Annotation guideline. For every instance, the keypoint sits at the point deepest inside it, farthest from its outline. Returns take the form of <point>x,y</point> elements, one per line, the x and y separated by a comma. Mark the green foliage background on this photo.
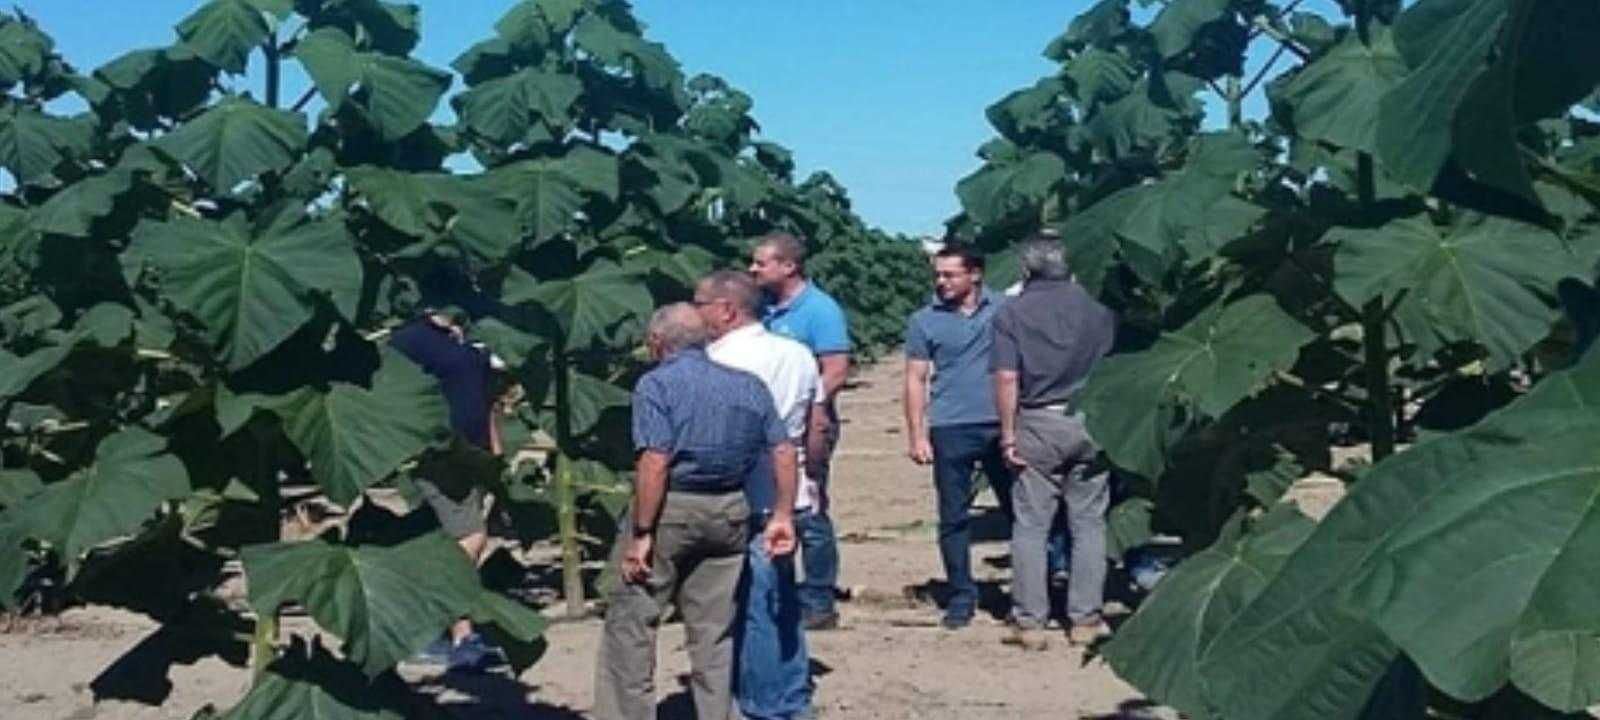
<point>198,280</point>
<point>1399,256</point>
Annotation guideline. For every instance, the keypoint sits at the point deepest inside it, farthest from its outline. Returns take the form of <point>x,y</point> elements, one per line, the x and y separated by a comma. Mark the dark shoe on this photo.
<point>472,654</point>
<point>956,620</point>
<point>820,621</point>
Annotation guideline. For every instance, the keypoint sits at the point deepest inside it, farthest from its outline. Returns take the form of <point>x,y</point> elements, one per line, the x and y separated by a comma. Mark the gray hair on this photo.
<point>786,246</point>
<point>737,288</point>
<point>1044,257</point>
<point>677,327</point>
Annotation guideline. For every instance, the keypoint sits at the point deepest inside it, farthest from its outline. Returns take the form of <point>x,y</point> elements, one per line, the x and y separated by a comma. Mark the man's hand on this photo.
<point>779,536</point>
<point>636,561</point>
<point>1008,451</point>
<point>921,451</point>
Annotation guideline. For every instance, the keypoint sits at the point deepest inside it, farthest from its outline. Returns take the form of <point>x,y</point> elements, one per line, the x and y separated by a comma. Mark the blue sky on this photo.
<point>888,95</point>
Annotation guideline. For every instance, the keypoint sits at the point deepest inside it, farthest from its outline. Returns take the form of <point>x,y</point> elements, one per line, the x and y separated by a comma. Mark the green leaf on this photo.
<point>510,626</point>
<point>624,50</point>
<point>426,205</point>
<point>1159,109</point>
<point>33,144</point>
<point>311,684</point>
<point>385,603</point>
<point>589,307</point>
<point>1335,98</point>
<point>252,288</point>
<point>1031,113</point>
<point>24,51</point>
<point>397,95</point>
<point>551,193</point>
<point>1098,26</point>
<point>998,192</point>
<point>355,436</point>
<point>18,373</point>
<point>1159,649</point>
<point>237,140</point>
<point>224,32</point>
<point>1100,76</point>
<point>74,209</point>
<point>1482,70</point>
<point>505,109</point>
<point>17,485</point>
<point>1486,280</point>
<point>588,397</point>
<point>131,477</point>
<point>1176,26</point>
<point>1221,357</point>
<point>1478,548</point>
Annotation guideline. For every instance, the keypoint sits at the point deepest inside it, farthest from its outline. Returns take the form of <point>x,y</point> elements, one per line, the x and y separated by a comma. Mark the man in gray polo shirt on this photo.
<point>953,426</point>
<point>1046,341</point>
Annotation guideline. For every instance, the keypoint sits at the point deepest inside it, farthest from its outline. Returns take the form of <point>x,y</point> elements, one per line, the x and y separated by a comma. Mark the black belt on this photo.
<point>674,487</point>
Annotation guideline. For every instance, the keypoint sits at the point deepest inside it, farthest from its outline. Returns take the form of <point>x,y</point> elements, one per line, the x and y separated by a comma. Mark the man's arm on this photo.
<point>1004,363</point>
<point>835,368</point>
<point>916,406</point>
<point>649,492</point>
<point>1005,405</point>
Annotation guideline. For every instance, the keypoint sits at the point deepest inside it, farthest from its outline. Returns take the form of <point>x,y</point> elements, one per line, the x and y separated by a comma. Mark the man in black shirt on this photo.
<point>435,343</point>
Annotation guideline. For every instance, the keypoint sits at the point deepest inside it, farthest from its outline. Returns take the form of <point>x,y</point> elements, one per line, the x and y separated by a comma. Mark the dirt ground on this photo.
<point>889,659</point>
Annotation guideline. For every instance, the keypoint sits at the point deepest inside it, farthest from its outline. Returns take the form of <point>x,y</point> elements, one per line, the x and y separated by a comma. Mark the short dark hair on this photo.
<point>735,287</point>
<point>787,246</point>
<point>971,259</point>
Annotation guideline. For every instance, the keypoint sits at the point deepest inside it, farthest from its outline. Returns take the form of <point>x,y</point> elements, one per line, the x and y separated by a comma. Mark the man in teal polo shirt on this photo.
<point>798,309</point>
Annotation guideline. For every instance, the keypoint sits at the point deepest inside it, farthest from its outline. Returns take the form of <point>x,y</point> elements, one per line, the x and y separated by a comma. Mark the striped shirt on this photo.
<point>714,421</point>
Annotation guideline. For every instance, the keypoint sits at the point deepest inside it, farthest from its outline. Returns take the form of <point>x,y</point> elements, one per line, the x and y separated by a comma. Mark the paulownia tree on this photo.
<point>1382,259</point>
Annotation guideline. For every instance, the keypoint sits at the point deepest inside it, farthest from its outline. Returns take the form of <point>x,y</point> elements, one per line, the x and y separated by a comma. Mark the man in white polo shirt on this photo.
<point>773,677</point>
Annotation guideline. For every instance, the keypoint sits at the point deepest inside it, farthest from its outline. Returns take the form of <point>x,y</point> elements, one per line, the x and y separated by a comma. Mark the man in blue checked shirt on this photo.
<point>699,429</point>
<point>798,309</point>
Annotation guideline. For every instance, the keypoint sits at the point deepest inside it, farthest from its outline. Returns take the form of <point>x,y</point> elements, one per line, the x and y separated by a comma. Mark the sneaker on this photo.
<point>472,654</point>
<point>1087,633</point>
<point>820,621</point>
<point>1032,639</point>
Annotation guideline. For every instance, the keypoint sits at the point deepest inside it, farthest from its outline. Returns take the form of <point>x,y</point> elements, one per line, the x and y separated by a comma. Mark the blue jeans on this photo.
<point>773,676</point>
<point>957,450</point>
<point>819,555</point>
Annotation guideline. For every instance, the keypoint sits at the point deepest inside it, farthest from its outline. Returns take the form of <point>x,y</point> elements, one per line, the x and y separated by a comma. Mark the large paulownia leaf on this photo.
<point>998,192</point>
<point>1481,69</point>
<point>396,94</point>
<point>589,307</point>
<point>426,205</point>
<point>33,144</point>
<point>511,626</point>
<point>224,32</point>
<point>1486,280</point>
<point>1159,649</point>
<point>1335,99</point>
<point>1100,76</point>
<point>1098,26</point>
<point>1176,26</point>
<point>1158,110</point>
<point>24,51</point>
<point>309,683</point>
<point>385,603</point>
<point>550,193</point>
<point>130,478</point>
<point>625,50</point>
<point>1224,355</point>
<point>1481,548</point>
<point>252,288</point>
<point>355,436</point>
<point>589,397</point>
<point>1032,112</point>
<point>506,109</point>
<point>106,324</point>
<point>74,210</point>
<point>236,140</point>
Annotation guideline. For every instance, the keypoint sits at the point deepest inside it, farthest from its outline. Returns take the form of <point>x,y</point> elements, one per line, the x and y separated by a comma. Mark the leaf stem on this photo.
<point>566,492</point>
<point>264,647</point>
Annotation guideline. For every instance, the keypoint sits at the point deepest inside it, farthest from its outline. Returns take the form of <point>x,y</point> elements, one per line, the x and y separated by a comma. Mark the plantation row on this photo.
<point>198,276</point>
<point>1398,256</point>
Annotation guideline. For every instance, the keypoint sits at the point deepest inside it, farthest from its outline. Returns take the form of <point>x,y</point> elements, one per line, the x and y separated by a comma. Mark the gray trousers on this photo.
<point>697,560</point>
<point>1061,468</point>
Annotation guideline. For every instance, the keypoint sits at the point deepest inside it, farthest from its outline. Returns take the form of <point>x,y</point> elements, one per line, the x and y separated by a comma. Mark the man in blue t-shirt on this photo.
<point>798,309</point>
